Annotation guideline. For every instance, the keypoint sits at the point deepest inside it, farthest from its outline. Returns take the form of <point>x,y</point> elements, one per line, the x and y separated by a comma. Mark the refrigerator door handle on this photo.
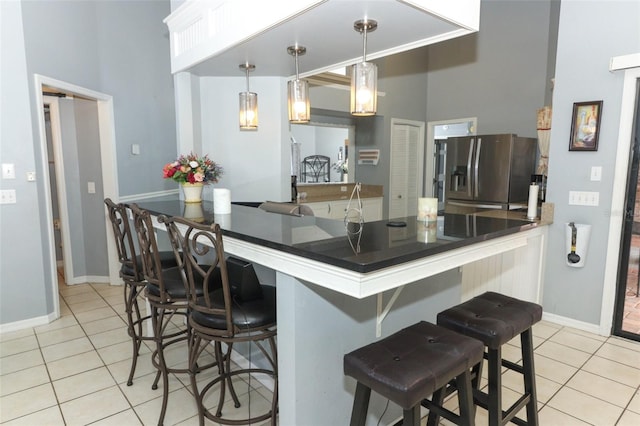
<point>469,161</point>
<point>475,169</point>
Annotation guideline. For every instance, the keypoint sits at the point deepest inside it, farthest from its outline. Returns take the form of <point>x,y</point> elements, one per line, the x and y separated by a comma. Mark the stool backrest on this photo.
<point>124,241</point>
<point>196,240</point>
<point>149,253</point>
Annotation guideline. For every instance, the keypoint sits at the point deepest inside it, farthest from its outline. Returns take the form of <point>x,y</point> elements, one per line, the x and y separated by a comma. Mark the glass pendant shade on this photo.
<point>298,101</point>
<point>364,88</point>
<point>248,103</point>
<point>298,91</point>
<point>248,110</point>
<point>364,75</point>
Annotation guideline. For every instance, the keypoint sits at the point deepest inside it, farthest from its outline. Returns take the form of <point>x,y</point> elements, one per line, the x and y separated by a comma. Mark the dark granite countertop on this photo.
<point>377,246</point>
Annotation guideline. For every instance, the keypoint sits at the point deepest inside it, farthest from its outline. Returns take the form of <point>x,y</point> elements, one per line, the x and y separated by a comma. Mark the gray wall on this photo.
<point>582,75</point>
<point>498,74</point>
<point>256,163</point>
<point>24,291</point>
<point>120,48</point>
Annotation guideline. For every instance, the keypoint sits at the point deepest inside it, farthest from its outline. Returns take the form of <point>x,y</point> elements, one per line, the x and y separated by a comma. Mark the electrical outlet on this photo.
<point>343,189</point>
<point>7,196</point>
<point>91,187</point>
<point>584,198</point>
<point>31,176</point>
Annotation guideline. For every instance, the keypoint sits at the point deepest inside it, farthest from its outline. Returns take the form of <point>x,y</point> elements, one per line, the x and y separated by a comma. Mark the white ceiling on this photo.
<point>331,41</point>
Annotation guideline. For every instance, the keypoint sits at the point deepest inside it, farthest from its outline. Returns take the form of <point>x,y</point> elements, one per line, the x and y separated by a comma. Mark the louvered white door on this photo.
<point>406,167</point>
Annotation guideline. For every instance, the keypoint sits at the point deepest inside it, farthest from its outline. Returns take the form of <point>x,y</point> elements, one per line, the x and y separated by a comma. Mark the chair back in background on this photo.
<point>149,253</point>
<point>130,269</point>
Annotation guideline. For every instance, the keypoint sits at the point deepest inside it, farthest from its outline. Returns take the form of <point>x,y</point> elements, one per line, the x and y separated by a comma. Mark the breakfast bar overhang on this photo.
<point>339,290</point>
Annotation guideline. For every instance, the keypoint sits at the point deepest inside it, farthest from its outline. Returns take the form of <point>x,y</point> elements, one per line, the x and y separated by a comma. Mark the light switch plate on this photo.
<point>8,171</point>
<point>596,173</point>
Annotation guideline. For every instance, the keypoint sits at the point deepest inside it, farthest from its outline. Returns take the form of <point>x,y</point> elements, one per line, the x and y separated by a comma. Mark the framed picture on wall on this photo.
<point>585,126</point>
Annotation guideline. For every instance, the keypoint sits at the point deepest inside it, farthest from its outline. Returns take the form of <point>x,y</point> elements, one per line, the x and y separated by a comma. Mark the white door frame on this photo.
<point>109,169</point>
<point>429,172</point>
<point>58,157</point>
<point>631,65</point>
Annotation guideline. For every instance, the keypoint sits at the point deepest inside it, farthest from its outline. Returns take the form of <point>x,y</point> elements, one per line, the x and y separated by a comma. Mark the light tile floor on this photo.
<point>73,372</point>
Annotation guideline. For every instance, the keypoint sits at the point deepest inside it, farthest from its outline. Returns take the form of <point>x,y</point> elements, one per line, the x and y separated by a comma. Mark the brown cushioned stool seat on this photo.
<point>495,319</point>
<point>409,366</point>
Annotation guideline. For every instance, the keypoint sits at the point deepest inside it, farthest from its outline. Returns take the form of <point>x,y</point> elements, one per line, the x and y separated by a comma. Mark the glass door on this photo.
<point>627,311</point>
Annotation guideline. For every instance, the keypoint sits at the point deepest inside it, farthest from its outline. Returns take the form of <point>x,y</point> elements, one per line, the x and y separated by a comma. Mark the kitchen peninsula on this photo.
<point>331,286</point>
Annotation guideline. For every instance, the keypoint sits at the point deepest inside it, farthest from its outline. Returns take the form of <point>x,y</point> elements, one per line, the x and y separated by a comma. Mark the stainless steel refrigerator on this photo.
<point>488,172</point>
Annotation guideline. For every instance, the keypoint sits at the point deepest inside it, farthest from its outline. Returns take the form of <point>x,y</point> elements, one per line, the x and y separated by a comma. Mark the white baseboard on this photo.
<point>570,322</point>
<point>28,323</point>
<point>90,279</point>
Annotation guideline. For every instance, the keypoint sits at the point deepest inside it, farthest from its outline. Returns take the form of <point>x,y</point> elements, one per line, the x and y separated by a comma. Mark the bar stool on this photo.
<point>133,277</point>
<point>168,297</point>
<point>495,319</point>
<point>222,314</point>
<point>412,364</point>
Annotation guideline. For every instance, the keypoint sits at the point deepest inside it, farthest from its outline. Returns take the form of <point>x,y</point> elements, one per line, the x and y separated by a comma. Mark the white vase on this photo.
<point>345,177</point>
<point>192,192</point>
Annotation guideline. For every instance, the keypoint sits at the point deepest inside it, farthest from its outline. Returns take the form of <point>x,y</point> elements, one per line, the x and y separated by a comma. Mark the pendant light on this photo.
<point>248,103</point>
<point>298,91</point>
<point>364,75</point>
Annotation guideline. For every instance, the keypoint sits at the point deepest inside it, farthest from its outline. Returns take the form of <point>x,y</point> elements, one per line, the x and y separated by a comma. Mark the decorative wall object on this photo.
<point>585,126</point>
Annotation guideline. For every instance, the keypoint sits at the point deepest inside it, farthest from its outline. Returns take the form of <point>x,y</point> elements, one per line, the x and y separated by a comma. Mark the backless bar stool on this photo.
<point>133,277</point>
<point>412,364</point>
<point>495,319</point>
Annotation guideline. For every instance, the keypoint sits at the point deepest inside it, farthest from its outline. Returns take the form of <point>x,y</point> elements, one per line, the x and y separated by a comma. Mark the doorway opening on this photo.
<point>102,111</point>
